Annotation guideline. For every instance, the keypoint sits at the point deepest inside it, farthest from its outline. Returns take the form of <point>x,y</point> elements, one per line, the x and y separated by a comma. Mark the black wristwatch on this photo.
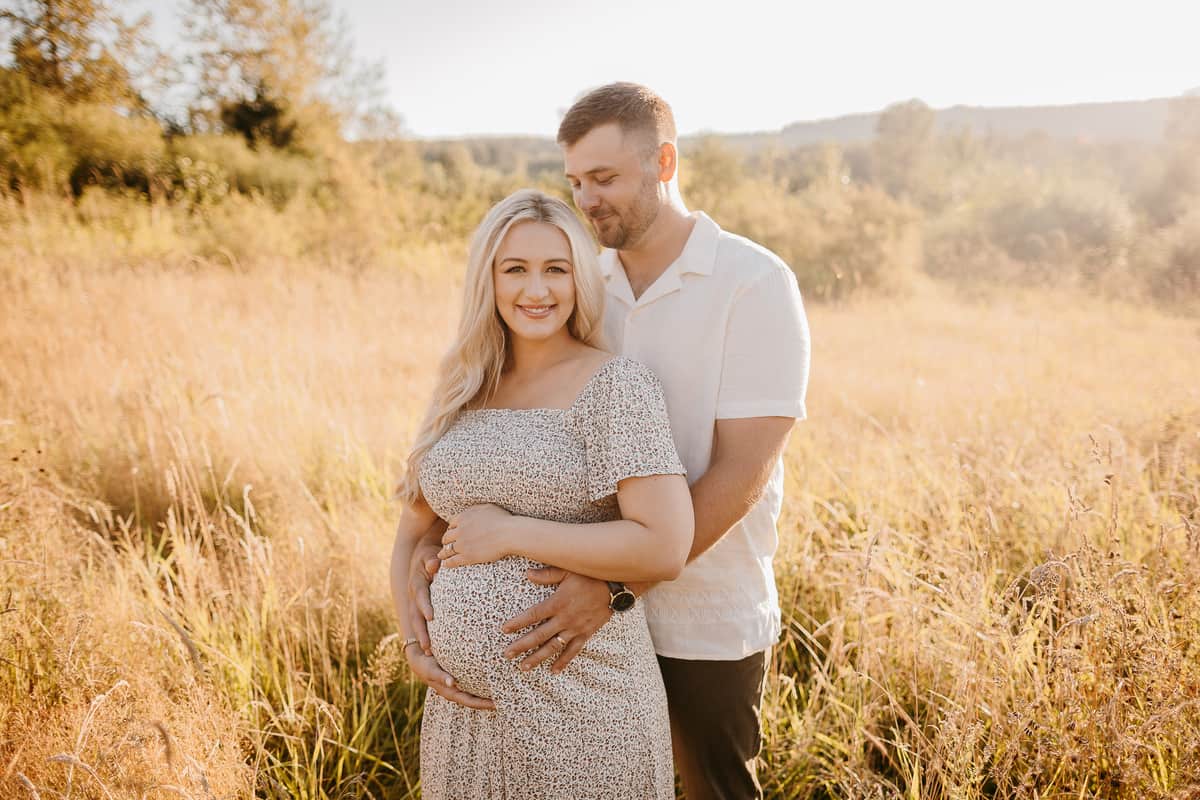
<point>620,598</point>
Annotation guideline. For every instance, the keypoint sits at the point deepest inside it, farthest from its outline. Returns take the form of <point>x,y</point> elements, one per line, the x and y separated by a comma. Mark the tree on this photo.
<point>1179,188</point>
<point>710,170</point>
<point>1183,119</point>
<point>82,50</point>
<point>903,140</point>
<point>280,71</point>
<point>260,119</point>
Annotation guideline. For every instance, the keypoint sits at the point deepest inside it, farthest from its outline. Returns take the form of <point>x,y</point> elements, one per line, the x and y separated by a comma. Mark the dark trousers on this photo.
<point>716,724</point>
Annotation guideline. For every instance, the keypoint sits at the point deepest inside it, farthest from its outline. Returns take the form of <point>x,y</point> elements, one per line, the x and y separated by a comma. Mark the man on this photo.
<point>720,320</point>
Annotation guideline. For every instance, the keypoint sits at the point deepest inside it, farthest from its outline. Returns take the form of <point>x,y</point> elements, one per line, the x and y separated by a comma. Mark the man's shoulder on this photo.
<point>745,260</point>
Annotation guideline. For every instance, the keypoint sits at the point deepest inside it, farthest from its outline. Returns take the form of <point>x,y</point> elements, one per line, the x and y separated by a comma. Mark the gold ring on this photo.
<point>561,640</point>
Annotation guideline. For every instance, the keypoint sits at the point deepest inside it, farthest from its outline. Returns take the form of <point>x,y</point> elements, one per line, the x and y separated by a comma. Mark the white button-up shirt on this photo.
<point>724,329</point>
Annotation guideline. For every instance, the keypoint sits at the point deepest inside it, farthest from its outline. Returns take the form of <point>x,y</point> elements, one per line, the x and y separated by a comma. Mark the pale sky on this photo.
<point>468,67</point>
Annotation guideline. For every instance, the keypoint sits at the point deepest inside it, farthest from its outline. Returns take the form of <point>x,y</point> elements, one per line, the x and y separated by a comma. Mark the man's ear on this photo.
<point>668,162</point>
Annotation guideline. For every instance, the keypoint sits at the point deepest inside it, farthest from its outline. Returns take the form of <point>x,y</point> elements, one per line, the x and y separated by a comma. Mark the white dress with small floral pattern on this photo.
<point>600,728</point>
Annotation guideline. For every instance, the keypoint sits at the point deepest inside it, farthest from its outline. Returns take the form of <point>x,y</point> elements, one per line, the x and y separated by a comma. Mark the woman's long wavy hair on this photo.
<point>471,367</point>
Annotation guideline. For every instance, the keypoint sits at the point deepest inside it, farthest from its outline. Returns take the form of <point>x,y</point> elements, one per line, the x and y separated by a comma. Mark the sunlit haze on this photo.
<point>465,67</point>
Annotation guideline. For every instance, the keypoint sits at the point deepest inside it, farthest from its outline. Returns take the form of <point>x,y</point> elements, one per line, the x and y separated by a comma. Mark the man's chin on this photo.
<point>614,239</point>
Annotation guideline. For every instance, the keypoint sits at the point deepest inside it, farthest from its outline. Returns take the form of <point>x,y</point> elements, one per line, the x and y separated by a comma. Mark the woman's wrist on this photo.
<point>408,642</point>
<point>512,536</point>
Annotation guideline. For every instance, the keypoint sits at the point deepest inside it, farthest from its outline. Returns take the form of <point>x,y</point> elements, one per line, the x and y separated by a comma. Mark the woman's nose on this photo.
<point>536,288</point>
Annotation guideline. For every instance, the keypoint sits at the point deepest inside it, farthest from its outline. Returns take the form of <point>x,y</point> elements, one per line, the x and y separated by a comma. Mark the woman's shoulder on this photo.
<point>617,380</point>
<point>625,368</point>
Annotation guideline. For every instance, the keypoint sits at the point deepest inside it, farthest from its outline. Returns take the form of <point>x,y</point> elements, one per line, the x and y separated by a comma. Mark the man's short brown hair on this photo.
<point>634,107</point>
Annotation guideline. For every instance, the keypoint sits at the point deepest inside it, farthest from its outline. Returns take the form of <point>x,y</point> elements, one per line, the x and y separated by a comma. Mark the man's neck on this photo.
<point>657,248</point>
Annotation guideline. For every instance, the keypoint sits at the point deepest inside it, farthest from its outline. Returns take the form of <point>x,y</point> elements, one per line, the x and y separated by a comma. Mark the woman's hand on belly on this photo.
<point>432,675</point>
<point>478,535</point>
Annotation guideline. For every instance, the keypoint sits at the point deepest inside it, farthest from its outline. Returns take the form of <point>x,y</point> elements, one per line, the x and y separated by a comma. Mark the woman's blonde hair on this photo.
<point>475,360</point>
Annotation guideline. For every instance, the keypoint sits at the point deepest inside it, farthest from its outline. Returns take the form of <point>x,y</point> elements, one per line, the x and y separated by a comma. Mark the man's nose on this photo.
<point>588,200</point>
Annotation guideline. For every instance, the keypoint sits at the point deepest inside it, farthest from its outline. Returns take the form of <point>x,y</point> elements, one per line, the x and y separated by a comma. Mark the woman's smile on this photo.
<point>538,312</point>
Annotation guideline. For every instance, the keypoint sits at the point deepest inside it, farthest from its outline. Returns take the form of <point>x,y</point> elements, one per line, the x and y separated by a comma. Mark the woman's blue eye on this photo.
<point>514,268</point>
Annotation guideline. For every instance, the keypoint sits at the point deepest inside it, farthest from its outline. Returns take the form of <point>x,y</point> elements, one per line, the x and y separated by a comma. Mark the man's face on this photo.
<point>614,184</point>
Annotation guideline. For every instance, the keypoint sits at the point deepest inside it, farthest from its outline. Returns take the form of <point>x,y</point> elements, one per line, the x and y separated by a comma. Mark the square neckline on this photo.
<point>578,398</point>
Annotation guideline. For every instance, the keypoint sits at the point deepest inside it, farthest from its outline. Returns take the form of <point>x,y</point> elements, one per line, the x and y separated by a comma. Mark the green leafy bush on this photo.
<point>33,153</point>
<point>1018,224</point>
<point>207,167</point>
<point>837,235</point>
<point>1169,259</point>
<point>113,151</point>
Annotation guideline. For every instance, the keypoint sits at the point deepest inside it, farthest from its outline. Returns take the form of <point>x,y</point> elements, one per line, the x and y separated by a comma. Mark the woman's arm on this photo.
<point>416,519</point>
<point>650,543</point>
<point>423,567</point>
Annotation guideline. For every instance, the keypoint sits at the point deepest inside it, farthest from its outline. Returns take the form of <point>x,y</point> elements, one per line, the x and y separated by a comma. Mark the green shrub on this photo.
<point>49,144</point>
<point>113,151</point>
<point>1088,219</point>
<point>851,237</point>
<point>33,153</point>
<point>242,231</point>
<point>837,235</point>
<point>207,167</point>
<point>1169,259</point>
<point>1017,224</point>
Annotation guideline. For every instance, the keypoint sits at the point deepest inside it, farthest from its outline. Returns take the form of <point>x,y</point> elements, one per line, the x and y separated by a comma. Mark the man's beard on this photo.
<point>635,221</point>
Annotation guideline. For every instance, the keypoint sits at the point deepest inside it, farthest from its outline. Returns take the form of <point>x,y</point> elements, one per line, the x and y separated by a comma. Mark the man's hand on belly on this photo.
<point>577,609</point>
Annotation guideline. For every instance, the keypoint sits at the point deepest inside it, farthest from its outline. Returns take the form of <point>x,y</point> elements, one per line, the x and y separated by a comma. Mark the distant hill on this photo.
<point>1138,120</point>
<point>1134,119</point>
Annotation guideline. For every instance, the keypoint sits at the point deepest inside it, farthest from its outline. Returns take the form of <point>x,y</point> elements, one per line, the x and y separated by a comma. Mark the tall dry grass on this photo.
<point>989,567</point>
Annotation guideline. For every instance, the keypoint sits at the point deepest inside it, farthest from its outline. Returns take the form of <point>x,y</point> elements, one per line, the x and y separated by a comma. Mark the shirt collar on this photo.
<point>700,253</point>
<point>698,256</point>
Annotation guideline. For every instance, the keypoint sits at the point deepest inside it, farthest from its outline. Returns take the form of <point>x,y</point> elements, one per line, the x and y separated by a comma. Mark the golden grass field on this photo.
<point>989,568</point>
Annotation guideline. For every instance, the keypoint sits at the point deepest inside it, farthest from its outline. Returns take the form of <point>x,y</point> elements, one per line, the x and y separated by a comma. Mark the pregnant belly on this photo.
<point>469,606</point>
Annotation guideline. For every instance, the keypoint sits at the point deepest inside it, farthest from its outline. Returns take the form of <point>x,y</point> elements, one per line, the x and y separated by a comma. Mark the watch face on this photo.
<point>623,601</point>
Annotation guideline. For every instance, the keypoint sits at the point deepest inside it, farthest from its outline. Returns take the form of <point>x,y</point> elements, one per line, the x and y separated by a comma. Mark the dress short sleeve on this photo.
<point>625,428</point>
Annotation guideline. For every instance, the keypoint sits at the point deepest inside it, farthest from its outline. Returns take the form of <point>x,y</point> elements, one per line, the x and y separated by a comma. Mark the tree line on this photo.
<point>267,110</point>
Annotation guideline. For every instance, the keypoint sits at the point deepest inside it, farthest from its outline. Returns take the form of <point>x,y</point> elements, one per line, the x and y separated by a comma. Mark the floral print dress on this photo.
<point>600,728</point>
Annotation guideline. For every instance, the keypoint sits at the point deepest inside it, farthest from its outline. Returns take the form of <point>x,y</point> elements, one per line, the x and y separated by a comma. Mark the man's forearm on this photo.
<point>724,495</point>
<point>721,498</point>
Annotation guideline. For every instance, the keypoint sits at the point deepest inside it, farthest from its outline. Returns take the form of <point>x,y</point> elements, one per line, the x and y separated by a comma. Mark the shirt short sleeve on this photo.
<point>764,370</point>
<point>625,429</point>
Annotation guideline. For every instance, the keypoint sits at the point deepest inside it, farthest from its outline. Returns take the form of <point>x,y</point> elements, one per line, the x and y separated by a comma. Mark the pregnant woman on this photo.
<point>540,448</point>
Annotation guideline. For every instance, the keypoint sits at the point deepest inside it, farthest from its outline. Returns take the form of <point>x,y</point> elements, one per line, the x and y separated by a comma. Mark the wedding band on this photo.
<point>561,640</point>
<point>407,642</point>
<point>451,546</point>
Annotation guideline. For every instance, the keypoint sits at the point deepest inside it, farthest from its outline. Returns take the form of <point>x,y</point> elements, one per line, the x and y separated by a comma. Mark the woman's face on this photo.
<point>534,279</point>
